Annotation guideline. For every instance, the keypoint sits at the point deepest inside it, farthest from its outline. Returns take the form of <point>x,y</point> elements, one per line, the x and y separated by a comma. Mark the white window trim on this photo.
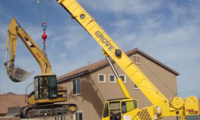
<point>104,78</point>
<point>56,118</point>
<point>62,117</point>
<point>114,78</point>
<point>73,87</point>
<point>124,77</point>
<point>78,112</point>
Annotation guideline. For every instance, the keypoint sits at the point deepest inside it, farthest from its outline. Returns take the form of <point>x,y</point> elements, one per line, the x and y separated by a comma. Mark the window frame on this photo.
<point>104,78</point>
<point>124,77</point>
<point>78,113</point>
<point>59,118</point>
<point>137,59</point>
<point>114,78</point>
<point>76,87</point>
<point>62,118</point>
<point>56,118</point>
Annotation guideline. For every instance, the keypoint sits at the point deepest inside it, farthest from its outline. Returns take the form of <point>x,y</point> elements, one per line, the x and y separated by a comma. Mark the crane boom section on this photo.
<point>107,44</point>
<point>16,30</point>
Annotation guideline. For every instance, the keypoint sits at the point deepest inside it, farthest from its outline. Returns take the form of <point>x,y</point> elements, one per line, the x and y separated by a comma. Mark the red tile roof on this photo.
<point>11,100</point>
<point>97,65</point>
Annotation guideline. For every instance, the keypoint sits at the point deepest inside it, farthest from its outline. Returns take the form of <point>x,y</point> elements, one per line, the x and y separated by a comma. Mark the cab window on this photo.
<point>128,106</point>
<point>36,88</point>
<point>105,114</point>
<point>43,83</point>
<point>45,87</point>
<point>52,87</point>
<point>114,106</point>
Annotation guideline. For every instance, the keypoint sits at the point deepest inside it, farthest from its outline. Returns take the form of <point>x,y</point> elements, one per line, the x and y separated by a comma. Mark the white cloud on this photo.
<point>134,6</point>
<point>124,6</point>
<point>122,23</point>
<point>71,37</point>
<point>63,55</point>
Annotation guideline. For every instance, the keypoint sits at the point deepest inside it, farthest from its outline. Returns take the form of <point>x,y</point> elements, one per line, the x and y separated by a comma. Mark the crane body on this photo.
<point>128,107</point>
<point>41,102</point>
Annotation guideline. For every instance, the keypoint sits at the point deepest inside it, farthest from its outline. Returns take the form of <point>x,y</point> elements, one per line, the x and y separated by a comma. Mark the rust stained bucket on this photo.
<point>18,74</point>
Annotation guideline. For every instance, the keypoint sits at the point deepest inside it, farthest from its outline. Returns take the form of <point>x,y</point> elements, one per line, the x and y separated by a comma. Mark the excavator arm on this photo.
<point>161,105</point>
<point>17,74</point>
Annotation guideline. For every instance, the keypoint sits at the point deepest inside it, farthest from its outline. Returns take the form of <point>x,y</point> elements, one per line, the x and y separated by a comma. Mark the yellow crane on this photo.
<point>41,102</point>
<point>128,107</point>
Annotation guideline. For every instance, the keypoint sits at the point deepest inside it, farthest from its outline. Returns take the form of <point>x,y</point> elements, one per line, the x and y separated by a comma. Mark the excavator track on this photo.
<point>48,110</point>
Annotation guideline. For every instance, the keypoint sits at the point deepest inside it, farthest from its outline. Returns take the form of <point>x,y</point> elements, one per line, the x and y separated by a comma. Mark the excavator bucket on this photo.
<point>13,111</point>
<point>18,74</point>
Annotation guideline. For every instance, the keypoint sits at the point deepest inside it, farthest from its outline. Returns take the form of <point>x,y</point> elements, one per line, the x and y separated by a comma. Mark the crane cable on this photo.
<point>44,25</point>
<point>40,11</point>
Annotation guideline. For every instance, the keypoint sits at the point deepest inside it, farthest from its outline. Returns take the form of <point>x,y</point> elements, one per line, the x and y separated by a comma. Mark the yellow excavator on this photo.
<point>127,108</point>
<point>41,102</point>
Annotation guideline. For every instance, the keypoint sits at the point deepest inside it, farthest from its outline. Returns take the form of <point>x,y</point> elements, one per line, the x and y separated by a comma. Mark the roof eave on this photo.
<point>138,51</point>
<point>74,76</point>
<point>131,53</point>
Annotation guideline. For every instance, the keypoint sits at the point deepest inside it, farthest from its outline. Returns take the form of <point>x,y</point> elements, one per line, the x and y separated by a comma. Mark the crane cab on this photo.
<point>120,109</point>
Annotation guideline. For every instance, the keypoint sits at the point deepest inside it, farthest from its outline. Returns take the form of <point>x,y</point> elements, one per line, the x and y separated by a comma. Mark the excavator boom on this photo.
<point>17,74</point>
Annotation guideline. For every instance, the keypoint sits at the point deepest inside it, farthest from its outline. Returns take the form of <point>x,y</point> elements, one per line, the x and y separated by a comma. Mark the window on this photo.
<point>135,86</point>
<point>112,79</point>
<point>128,106</point>
<point>101,78</point>
<point>114,106</point>
<point>76,86</point>
<point>45,87</point>
<point>36,88</point>
<point>52,87</point>
<point>123,77</point>
<point>62,117</point>
<point>56,118</point>
<point>105,113</point>
<point>136,59</point>
<point>78,116</point>
<point>59,118</point>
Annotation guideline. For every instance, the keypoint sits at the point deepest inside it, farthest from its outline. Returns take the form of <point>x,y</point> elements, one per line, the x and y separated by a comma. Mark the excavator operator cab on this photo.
<point>119,109</point>
<point>45,87</point>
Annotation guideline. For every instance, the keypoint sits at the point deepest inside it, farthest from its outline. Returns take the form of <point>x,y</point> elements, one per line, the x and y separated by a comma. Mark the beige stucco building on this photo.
<point>91,85</point>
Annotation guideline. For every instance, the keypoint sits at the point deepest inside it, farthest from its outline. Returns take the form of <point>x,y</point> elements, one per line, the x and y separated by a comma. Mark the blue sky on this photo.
<point>168,30</point>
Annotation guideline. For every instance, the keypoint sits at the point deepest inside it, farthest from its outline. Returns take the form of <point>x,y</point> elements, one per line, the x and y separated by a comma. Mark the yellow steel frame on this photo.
<point>109,47</point>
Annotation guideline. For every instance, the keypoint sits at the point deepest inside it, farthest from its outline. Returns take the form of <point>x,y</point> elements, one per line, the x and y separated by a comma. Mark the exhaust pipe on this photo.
<point>18,74</point>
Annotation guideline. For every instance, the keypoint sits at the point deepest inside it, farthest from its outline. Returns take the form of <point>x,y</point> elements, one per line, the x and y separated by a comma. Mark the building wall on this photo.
<point>93,93</point>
